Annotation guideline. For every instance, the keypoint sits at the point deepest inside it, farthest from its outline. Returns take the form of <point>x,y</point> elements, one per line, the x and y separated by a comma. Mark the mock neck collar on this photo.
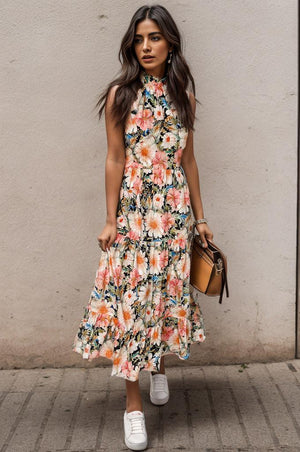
<point>146,78</point>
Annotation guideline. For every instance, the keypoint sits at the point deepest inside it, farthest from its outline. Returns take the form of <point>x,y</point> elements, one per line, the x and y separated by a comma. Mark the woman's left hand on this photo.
<point>204,231</point>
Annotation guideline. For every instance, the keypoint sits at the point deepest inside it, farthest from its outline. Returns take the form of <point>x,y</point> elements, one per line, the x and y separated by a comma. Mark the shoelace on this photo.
<point>159,383</point>
<point>136,424</point>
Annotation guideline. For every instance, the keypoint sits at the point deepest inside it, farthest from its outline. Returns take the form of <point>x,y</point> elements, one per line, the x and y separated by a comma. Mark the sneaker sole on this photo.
<point>131,446</point>
<point>159,401</point>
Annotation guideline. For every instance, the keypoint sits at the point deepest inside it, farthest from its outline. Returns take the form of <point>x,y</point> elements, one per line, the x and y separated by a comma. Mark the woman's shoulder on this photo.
<point>112,90</point>
<point>111,95</point>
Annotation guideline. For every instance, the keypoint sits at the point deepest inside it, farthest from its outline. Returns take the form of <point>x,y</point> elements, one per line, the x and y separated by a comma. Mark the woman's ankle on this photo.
<point>134,407</point>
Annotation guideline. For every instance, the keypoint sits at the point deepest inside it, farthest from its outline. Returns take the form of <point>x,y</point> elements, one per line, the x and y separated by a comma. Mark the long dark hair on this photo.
<point>129,81</point>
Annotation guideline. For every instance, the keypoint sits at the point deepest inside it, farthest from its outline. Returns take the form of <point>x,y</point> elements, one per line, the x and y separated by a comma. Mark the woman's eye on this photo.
<point>155,38</point>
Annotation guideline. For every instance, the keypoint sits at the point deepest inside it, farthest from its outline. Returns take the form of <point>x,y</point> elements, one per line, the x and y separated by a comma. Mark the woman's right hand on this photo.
<point>107,236</point>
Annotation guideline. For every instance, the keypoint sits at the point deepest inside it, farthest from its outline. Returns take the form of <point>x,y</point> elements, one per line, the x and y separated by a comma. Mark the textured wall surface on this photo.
<point>56,58</point>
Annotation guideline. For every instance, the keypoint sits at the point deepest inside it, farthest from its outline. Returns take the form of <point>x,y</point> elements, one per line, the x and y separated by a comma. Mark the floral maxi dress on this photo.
<point>142,305</point>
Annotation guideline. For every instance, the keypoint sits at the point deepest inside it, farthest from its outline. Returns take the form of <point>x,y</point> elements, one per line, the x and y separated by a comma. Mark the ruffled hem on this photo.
<point>136,319</point>
<point>125,369</point>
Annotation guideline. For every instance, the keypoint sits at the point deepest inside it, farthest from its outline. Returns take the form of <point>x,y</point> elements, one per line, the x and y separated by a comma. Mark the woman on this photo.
<point>142,307</point>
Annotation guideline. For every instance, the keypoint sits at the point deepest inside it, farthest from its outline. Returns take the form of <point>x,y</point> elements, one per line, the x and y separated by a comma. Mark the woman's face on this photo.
<point>149,41</point>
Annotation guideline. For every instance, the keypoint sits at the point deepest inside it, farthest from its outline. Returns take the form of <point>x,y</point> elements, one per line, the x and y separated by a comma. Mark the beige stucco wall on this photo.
<point>56,58</point>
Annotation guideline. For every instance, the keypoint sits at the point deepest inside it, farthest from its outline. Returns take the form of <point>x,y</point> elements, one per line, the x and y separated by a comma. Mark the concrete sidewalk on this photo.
<point>211,408</point>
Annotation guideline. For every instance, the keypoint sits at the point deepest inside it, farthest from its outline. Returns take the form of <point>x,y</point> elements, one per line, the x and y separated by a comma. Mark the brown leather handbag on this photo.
<point>208,268</point>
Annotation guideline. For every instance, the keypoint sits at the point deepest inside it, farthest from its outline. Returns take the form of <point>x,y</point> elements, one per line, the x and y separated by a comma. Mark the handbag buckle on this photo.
<point>219,266</point>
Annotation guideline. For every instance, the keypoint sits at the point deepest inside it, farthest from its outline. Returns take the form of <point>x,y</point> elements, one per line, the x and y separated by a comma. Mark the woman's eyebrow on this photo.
<point>149,34</point>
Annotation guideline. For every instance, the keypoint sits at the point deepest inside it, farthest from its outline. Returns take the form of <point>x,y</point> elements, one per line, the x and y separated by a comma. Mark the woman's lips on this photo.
<point>147,58</point>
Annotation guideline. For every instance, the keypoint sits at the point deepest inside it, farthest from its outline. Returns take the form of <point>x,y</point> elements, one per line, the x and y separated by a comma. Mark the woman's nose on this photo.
<point>146,45</point>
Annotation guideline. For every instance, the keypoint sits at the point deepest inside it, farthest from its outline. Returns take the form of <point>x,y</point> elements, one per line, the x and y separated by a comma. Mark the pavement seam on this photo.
<point>3,395</point>
<point>189,418</point>
<point>74,416</point>
<point>264,411</point>
<point>73,421</point>
<point>47,415</point>
<point>20,414</point>
<point>288,407</point>
<point>213,411</point>
<point>189,413</point>
<point>102,417</point>
<point>44,421</point>
<point>239,416</point>
<point>17,421</point>
<point>292,369</point>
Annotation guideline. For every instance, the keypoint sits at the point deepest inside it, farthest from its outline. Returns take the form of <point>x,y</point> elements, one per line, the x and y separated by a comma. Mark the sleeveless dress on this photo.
<point>142,305</point>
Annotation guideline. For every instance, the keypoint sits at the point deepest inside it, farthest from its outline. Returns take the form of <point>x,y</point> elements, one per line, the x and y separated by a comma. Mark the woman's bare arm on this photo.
<point>115,160</point>
<point>114,169</point>
<point>189,165</point>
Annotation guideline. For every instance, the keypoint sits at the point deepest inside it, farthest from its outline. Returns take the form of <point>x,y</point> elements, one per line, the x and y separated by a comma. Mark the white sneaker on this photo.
<point>159,390</point>
<point>135,430</point>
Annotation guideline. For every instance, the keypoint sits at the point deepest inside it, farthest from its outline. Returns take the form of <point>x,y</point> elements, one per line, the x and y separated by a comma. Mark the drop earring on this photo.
<point>170,57</point>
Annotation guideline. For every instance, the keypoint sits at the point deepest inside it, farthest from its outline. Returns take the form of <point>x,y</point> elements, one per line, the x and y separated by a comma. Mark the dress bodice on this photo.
<point>153,124</point>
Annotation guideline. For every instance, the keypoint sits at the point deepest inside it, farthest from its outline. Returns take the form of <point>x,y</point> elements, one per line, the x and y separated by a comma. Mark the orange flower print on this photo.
<point>175,287</point>
<point>179,176</point>
<point>127,368</point>
<point>186,196</point>
<point>144,119</point>
<point>159,113</point>
<point>180,242</point>
<point>163,258</point>
<point>134,278</point>
<point>108,349</point>
<point>160,158</point>
<point>158,89</point>
<point>141,263</point>
<point>118,275</point>
<point>130,297</point>
<point>177,157</point>
<point>158,200</point>
<point>136,222</point>
<point>167,221</point>
<point>183,328</point>
<point>102,278</point>
<point>173,197</point>
<point>169,140</point>
<point>125,316</point>
<point>145,293</point>
<point>175,339</point>
<point>131,126</point>
<point>158,175</point>
<point>169,176</point>
<point>137,186</point>
<point>154,224</point>
<point>145,151</point>
<point>154,261</point>
<point>181,312</point>
<point>132,173</point>
<point>166,333</point>
<point>199,335</point>
<point>184,266</point>
<point>104,312</point>
<point>133,235</point>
